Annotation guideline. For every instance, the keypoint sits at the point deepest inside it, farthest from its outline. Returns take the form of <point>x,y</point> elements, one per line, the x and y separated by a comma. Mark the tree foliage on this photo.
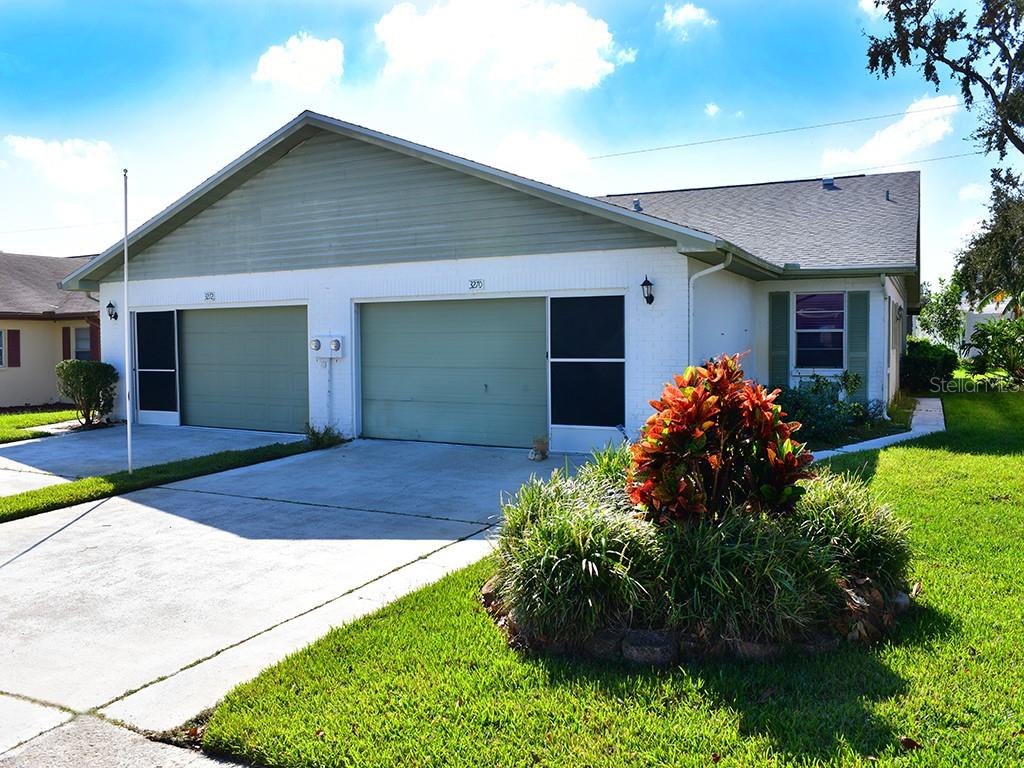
<point>984,56</point>
<point>991,266</point>
<point>941,315</point>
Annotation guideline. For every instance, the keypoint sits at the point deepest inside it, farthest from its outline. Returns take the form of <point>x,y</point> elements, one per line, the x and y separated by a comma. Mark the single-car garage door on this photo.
<point>472,371</point>
<point>244,368</point>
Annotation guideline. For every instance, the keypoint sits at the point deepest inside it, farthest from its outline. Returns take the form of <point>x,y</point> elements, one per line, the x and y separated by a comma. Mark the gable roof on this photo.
<point>29,287</point>
<point>765,226</point>
<point>857,222</point>
<point>309,124</point>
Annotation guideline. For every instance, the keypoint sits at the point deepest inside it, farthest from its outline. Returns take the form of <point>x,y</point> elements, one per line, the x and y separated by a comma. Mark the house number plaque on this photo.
<point>476,285</point>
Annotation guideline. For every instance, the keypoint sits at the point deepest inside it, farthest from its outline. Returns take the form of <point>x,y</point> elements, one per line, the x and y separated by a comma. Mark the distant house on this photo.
<point>40,325</point>
<point>336,275</point>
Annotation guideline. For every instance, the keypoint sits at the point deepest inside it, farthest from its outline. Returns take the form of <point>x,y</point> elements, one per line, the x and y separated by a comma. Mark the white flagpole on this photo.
<point>127,333</point>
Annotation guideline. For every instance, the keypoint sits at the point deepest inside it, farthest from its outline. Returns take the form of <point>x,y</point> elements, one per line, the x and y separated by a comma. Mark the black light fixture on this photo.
<point>648,288</point>
<point>111,311</point>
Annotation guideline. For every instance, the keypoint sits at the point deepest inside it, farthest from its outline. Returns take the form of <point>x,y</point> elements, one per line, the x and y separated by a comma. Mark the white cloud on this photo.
<point>739,114</point>
<point>869,7</point>
<point>72,164</point>
<point>973,191</point>
<point>529,45</point>
<point>305,64</point>
<point>548,157</point>
<point>680,19</point>
<point>926,122</point>
<point>711,109</point>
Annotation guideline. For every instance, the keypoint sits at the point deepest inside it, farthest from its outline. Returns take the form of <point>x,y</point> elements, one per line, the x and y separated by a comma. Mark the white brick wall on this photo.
<point>656,337</point>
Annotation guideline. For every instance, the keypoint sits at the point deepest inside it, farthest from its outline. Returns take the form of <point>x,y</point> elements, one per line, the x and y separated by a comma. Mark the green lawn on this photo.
<point>428,681</point>
<point>92,488</point>
<point>18,426</point>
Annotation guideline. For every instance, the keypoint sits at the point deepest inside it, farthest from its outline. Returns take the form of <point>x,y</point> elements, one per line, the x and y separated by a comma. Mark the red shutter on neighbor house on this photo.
<point>65,342</point>
<point>94,342</point>
<point>14,349</point>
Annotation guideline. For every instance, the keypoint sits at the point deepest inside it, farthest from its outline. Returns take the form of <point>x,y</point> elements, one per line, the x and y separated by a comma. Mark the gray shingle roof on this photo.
<point>853,225</point>
<point>28,286</point>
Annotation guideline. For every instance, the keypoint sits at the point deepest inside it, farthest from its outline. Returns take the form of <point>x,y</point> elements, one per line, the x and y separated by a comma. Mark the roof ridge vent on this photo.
<point>636,205</point>
<point>828,182</point>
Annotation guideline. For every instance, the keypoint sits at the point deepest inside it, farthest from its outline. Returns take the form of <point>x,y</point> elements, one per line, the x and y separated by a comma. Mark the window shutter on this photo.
<point>65,343</point>
<point>94,342</point>
<point>858,311</point>
<point>14,349</point>
<point>778,339</point>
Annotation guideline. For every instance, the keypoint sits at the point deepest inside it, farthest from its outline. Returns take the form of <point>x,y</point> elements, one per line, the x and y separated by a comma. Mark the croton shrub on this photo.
<point>716,441</point>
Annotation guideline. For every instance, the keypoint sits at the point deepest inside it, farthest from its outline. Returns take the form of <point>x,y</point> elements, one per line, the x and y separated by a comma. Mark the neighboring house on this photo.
<point>337,275</point>
<point>974,318</point>
<point>40,325</point>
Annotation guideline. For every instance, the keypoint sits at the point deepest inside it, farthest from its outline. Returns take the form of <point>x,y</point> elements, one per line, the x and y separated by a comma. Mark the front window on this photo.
<point>820,328</point>
<point>83,346</point>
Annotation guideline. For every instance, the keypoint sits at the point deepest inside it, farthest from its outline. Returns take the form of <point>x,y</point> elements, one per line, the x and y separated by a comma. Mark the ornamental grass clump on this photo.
<point>570,559</point>
<point>716,442</point>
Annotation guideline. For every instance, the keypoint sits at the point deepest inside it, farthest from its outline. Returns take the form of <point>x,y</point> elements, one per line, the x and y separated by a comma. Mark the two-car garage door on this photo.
<point>471,371</point>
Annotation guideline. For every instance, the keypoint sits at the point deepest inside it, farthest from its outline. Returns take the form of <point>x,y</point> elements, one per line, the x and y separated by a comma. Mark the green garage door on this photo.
<point>471,371</point>
<point>244,368</point>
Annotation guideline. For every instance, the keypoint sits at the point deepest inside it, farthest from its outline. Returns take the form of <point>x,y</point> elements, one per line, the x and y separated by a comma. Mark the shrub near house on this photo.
<point>89,385</point>
<point>709,528</point>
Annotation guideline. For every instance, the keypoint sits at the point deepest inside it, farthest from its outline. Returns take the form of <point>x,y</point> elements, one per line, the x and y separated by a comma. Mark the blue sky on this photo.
<point>175,90</point>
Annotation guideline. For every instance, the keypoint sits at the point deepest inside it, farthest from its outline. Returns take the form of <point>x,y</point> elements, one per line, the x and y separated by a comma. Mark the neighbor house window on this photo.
<point>83,345</point>
<point>820,328</point>
<point>3,349</point>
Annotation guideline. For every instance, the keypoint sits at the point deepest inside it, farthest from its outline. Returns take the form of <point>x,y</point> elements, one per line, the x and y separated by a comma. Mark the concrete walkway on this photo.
<point>45,461</point>
<point>148,608</point>
<point>927,419</point>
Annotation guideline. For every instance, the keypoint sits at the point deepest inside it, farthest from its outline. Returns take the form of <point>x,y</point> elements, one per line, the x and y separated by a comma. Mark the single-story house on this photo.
<point>41,325</point>
<point>337,275</point>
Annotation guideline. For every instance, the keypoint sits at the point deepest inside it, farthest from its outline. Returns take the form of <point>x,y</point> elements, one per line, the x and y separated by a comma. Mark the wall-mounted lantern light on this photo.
<point>111,311</point>
<point>648,288</point>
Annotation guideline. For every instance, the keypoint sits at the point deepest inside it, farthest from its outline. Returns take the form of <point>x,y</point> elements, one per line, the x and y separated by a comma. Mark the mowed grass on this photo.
<point>428,681</point>
<point>18,426</point>
<point>52,497</point>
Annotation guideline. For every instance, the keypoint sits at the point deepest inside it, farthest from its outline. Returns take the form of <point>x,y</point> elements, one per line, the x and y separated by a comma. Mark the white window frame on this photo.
<point>805,372</point>
<point>74,344</point>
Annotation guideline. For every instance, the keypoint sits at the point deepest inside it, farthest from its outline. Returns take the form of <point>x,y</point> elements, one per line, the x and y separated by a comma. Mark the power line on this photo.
<point>770,133</point>
<point>908,162</point>
<point>51,229</point>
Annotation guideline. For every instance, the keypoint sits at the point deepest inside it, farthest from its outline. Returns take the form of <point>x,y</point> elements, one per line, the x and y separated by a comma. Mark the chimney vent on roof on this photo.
<point>636,205</point>
<point>828,183</point>
<point>887,198</point>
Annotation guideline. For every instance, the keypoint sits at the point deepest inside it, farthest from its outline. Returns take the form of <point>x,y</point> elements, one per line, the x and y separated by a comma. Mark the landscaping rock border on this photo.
<point>866,616</point>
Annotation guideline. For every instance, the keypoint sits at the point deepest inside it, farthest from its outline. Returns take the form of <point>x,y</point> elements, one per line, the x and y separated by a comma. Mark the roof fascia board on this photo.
<point>798,274</point>
<point>75,281</point>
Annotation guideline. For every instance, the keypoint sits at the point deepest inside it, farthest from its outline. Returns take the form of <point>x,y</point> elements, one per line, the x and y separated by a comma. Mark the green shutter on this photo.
<point>778,339</point>
<point>858,309</point>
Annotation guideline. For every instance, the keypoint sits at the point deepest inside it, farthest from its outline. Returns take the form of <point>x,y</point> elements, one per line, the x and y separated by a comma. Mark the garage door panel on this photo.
<point>471,371</point>
<point>455,385</point>
<point>245,368</point>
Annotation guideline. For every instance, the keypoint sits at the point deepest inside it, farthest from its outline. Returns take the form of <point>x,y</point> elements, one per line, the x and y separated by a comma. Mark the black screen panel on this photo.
<point>155,339</point>
<point>158,391</point>
<point>588,327</point>
<point>588,394</point>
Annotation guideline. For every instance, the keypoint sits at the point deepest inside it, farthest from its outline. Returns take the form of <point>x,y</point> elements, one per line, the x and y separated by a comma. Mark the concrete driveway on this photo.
<point>148,608</point>
<point>44,461</point>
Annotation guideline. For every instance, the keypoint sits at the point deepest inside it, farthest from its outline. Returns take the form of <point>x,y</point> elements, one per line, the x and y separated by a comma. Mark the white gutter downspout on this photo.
<point>690,303</point>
